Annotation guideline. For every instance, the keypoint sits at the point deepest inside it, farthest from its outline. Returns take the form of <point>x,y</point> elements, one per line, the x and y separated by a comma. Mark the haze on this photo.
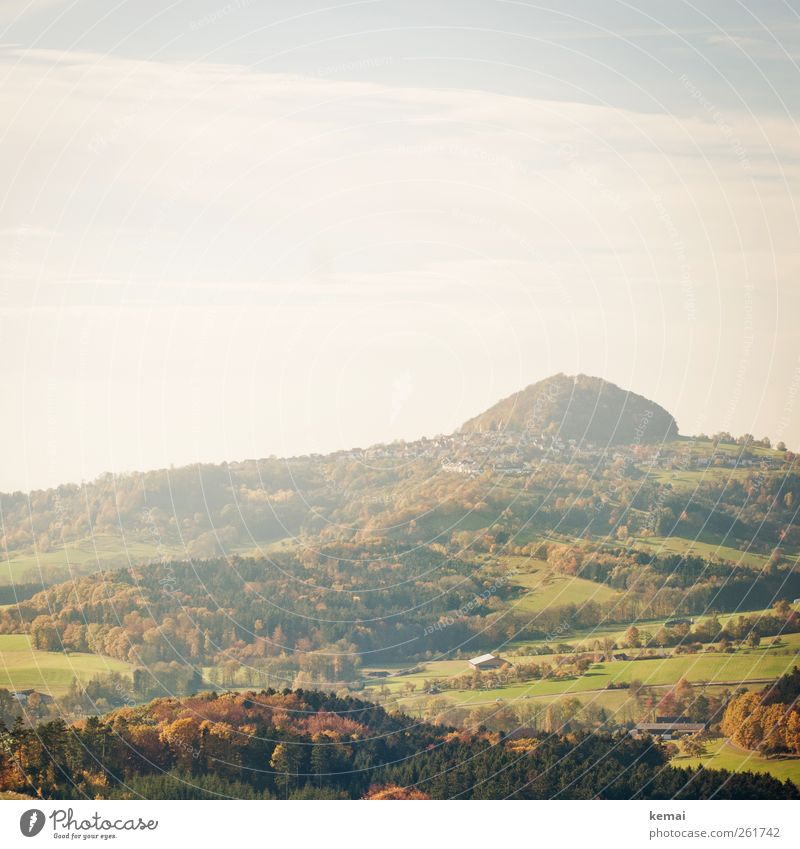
<point>240,230</point>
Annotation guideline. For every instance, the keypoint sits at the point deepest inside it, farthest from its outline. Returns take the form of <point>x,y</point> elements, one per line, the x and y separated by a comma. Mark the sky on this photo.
<point>239,229</point>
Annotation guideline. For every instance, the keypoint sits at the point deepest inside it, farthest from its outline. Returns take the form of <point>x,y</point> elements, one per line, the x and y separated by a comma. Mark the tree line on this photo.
<point>302,744</point>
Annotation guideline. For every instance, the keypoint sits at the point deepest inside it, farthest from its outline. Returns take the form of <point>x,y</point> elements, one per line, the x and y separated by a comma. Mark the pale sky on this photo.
<point>238,229</point>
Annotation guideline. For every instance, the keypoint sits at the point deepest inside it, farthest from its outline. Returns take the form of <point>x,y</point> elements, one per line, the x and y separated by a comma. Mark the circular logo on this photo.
<point>31,822</point>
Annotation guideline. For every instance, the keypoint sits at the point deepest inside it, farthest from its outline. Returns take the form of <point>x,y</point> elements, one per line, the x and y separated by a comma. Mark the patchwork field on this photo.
<point>731,670</point>
<point>22,667</point>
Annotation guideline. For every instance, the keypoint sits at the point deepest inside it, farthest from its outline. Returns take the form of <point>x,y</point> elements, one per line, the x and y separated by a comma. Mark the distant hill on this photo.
<point>583,408</point>
<point>437,490</point>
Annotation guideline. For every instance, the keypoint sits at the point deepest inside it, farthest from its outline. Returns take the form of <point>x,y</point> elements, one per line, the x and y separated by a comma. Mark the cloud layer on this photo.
<point>205,261</point>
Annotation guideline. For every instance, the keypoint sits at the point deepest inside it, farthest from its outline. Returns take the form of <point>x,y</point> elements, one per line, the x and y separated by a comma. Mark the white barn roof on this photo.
<point>482,658</point>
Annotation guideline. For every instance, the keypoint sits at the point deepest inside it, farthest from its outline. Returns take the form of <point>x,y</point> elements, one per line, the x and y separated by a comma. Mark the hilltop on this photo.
<point>583,408</point>
<point>560,464</point>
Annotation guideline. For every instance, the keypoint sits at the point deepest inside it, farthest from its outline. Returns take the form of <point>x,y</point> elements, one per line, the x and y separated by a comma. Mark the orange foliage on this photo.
<point>394,791</point>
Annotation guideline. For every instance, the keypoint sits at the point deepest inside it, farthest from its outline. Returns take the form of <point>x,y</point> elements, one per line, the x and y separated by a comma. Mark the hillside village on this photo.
<point>521,453</point>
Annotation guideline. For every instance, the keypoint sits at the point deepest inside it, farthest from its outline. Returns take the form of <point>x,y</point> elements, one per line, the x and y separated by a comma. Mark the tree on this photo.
<point>286,759</point>
<point>693,746</point>
<point>684,693</point>
<point>633,638</point>
<point>44,635</point>
<point>700,709</point>
<point>181,737</point>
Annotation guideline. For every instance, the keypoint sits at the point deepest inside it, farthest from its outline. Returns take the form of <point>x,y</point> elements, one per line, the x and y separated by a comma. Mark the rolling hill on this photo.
<point>583,408</point>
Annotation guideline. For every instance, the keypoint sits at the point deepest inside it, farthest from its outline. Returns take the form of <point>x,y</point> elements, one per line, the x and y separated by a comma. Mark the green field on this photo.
<point>649,672</point>
<point>722,754</point>
<point>706,446</point>
<point>545,589</point>
<point>687,480</point>
<point>707,546</point>
<point>731,670</point>
<point>616,632</point>
<point>699,548</point>
<point>620,706</point>
<point>102,551</point>
<point>22,667</point>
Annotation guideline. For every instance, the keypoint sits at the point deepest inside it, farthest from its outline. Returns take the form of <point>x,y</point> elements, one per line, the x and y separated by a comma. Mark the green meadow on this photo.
<point>22,667</point>
<point>706,446</point>
<point>616,632</point>
<point>620,706</point>
<point>102,551</point>
<point>731,670</point>
<point>722,754</point>
<point>543,590</point>
<point>700,548</point>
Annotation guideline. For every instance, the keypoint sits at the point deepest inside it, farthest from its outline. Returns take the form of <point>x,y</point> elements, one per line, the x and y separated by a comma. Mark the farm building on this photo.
<point>668,730</point>
<point>486,661</point>
<point>22,696</point>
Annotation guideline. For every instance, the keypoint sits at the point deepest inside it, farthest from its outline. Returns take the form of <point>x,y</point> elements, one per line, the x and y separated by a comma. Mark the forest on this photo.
<point>768,721</point>
<point>308,619</point>
<point>304,744</point>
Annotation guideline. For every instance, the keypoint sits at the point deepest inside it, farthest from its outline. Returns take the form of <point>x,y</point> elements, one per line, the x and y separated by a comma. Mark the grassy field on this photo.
<point>699,548</point>
<point>706,446</point>
<point>620,706</point>
<point>707,546</point>
<point>722,754</point>
<point>615,631</point>
<point>105,551</point>
<point>102,551</point>
<point>731,670</point>
<point>22,667</point>
<point>687,480</point>
<point>545,589</point>
<point>650,672</point>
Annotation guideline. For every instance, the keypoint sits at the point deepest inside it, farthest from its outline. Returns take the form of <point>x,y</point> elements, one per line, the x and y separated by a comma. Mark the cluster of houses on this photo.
<point>473,453</point>
<point>521,453</point>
